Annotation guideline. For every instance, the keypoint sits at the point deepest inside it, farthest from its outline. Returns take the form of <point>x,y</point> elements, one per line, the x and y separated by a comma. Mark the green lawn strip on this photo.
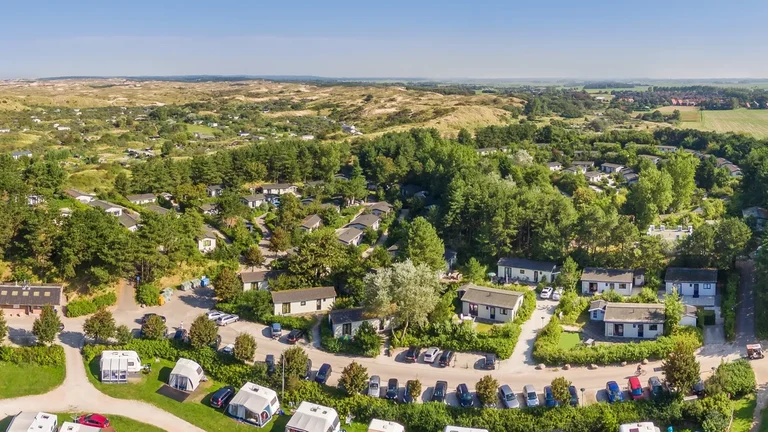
<point>25,380</point>
<point>118,422</point>
<point>569,340</point>
<point>763,420</point>
<point>743,412</point>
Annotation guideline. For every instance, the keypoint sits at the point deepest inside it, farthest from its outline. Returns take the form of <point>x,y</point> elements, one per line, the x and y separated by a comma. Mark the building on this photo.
<point>381,208</point>
<point>254,404</point>
<point>215,190</point>
<point>154,208</point>
<point>186,375</point>
<point>256,280</point>
<point>346,322</point>
<point>490,304</point>
<point>116,366</point>
<point>639,427</point>
<point>486,151</point>
<point>365,221</point>
<point>757,214</point>
<point>585,165</point>
<point>554,166</point>
<point>630,177</point>
<point>450,428</point>
<point>377,425</point>
<point>524,270</point>
<point>654,159</point>
<point>303,301</point>
<point>670,234</point>
<point>19,154</point>
<point>279,189</point>
<point>80,196</point>
<point>27,421</point>
<point>595,176</point>
<point>129,221</point>
<point>109,208</point>
<point>209,209</point>
<point>34,200</point>
<point>598,280</point>
<point>733,170</point>
<point>18,297</point>
<point>311,417</point>
<point>206,242</point>
<point>253,201</point>
<point>666,149</point>
<point>630,320</point>
<point>697,286</point>
<point>610,168</point>
<point>140,199</point>
<point>311,223</point>
<point>351,236</point>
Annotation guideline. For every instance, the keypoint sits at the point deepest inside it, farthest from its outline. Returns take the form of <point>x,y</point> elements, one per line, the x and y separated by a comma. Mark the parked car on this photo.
<point>214,314</point>
<point>635,388</point>
<point>531,398</point>
<point>216,342</point>
<point>276,331</point>
<point>557,294</point>
<point>323,373</point>
<point>270,361</point>
<point>407,396</point>
<point>574,396</point>
<point>95,420</point>
<point>438,394</point>
<point>412,355</point>
<point>490,362</point>
<point>431,354</point>
<point>446,358</point>
<point>295,335</point>
<point>546,292</point>
<point>221,398</point>
<point>464,396</point>
<point>614,392</point>
<point>393,388</point>
<point>227,319</point>
<point>147,316</point>
<point>374,386</point>
<point>549,398</point>
<point>508,397</point>
<point>656,388</point>
<point>229,349</point>
<point>308,372</point>
<point>698,389</point>
<point>181,335</point>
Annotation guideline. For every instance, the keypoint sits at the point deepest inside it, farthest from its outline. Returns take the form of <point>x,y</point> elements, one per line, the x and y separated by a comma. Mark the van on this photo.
<point>531,398</point>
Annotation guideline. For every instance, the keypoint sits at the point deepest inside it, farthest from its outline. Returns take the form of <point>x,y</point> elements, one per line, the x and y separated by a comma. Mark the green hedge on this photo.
<point>81,307</point>
<point>40,355</point>
<point>730,295</point>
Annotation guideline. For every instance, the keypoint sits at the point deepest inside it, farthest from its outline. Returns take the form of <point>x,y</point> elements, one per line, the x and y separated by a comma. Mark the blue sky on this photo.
<point>436,39</point>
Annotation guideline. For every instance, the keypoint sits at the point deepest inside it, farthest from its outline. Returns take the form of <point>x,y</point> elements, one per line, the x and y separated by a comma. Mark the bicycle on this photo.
<point>640,372</point>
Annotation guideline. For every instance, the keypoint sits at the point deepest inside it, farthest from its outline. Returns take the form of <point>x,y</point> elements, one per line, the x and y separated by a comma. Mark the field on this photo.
<point>687,113</point>
<point>753,122</point>
<point>18,381</point>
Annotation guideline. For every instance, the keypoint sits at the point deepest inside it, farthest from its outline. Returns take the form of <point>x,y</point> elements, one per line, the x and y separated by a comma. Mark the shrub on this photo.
<point>736,379</point>
<point>39,354</point>
<point>82,307</point>
<point>730,295</point>
<point>148,294</point>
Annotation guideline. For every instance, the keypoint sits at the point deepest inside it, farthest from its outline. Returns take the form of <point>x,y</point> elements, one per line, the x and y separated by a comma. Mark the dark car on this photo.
<point>95,420</point>
<point>295,335</point>
<point>446,358</point>
<point>698,389</point>
<point>276,330</point>
<point>181,335</point>
<point>270,361</point>
<point>656,388</point>
<point>490,362</point>
<point>574,396</point>
<point>393,388</point>
<point>614,392</point>
<point>549,398</point>
<point>464,396</point>
<point>323,373</point>
<point>221,398</point>
<point>438,394</point>
<point>407,396</point>
<point>412,355</point>
<point>147,316</point>
<point>308,372</point>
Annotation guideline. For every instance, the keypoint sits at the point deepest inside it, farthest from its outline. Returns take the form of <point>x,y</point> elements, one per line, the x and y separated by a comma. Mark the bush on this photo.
<point>82,307</point>
<point>148,294</point>
<point>39,354</point>
<point>736,379</point>
<point>365,343</point>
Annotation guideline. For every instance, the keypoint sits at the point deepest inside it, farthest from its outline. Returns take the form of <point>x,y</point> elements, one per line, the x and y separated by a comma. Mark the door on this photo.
<point>346,329</point>
<point>473,309</point>
<point>319,304</point>
<point>535,276</point>
<point>640,331</point>
<point>286,308</point>
<point>695,290</point>
<point>493,313</point>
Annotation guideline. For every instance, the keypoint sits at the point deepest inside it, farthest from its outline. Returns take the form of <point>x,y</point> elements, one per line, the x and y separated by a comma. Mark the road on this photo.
<point>745,318</point>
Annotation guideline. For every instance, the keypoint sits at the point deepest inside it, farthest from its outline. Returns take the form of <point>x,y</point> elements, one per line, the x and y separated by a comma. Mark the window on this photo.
<point>622,286</point>
<point>503,311</point>
<point>346,329</point>
<point>303,303</point>
<point>319,304</point>
<point>612,285</point>
<point>594,314</point>
<point>286,308</point>
<point>130,363</point>
<point>522,271</point>
<point>653,327</point>
<point>473,309</point>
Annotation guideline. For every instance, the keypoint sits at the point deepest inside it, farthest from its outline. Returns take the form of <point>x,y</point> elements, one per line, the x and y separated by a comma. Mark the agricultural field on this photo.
<point>753,122</point>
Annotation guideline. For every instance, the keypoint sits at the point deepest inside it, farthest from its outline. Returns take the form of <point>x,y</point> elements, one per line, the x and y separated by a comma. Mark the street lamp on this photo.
<point>583,402</point>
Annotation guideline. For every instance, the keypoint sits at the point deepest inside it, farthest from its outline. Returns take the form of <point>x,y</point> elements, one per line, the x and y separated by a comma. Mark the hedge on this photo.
<point>81,307</point>
<point>730,295</point>
<point>40,355</point>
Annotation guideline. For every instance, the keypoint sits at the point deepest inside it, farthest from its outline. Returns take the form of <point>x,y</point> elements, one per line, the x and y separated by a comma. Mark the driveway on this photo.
<point>522,356</point>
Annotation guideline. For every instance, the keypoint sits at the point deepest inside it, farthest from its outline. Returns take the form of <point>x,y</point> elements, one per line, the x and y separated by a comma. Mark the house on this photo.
<point>29,297</point>
<point>253,201</point>
<point>583,164</point>
<point>76,427</point>
<point>346,322</point>
<point>301,301</point>
<point>206,242</point>
<point>279,189</point>
<point>27,421</point>
<point>630,177</point>
<point>111,209</point>
<point>758,214</point>
<point>594,176</point>
<point>80,196</point>
<point>597,310</point>
<point>377,425</point>
<point>34,200</point>
<point>186,375</point>
<point>574,170</point>
<point>652,158</point>
<point>254,404</point>
<point>209,209</point>
<point>311,417</point>
<point>116,366</point>
<point>350,236</point>
<point>632,320</point>
<point>697,286</point>
<point>412,190</point>
<point>486,151</point>
<point>365,221</point>
<point>311,223</point>
<point>733,170</point>
<point>519,269</point>
<point>19,154</point>
<point>450,256</point>
<point>670,234</point>
<point>130,221</point>
<point>491,304</point>
<point>254,280</point>
<point>554,166</point>
<point>381,208</point>
<point>596,280</point>
<point>215,190</point>
<point>610,168</point>
<point>639,427</point>
<point>140,199</point>
<point>154,208</point>
<point>666,149</point>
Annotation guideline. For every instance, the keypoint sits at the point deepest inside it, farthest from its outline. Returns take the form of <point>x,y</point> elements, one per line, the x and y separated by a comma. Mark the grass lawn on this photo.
<point>569,340</point>
<point>27,380</point>
<point>743,410</point>
<point>200,129</point>
<point>483,327</point>
<point>118,422</point>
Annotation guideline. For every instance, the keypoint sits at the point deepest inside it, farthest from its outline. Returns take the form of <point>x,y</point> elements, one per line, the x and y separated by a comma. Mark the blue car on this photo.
<point>574,396</point>
<point>614,392</point>
<point>549,398</point>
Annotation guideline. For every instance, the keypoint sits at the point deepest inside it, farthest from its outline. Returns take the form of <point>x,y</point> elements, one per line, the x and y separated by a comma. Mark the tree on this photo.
<point>47,325</point>
<point>569,274</point>
<point>3,327</point>
<point>681,167</point>
<point>316,257</point>
<point>354,379</point>
<point>154,328</point>
<point>681,368</point>
<point>123,334</point>
<point>245,347</point>
<point>254,257</point>
<point>651,195</point>
<point>227,285</point>
<point>122,183</point>
<point>148,294</point>
<point>203,332</point>
<point>296,361</point>
<point>465,137</point>
<point>423,246</point>
<point>486,390</point>
<point>474,271</point>
<point>368,340</point>
<point>100,326</point>
<point>560,391</point>
<point>731,237</point>
<point>673,312</point>
<point>279,241</point>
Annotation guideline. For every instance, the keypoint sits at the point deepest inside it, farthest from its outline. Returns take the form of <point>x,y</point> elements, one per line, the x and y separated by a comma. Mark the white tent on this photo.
<point>377,425</point>
<point>116,365</point>
<point>254,404</point>
<point>311,417</point>
<point>186,375</point>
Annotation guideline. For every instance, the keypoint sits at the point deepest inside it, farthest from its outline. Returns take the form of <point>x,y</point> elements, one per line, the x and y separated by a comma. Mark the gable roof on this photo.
<point>382,206</point>
<point>154,208</point>
<point>682,274</point>
<point>141,197</point>
<point>128,220</point>
<point>254,197</point>
<point>74,193</point>
<point>490,296</point>
<point>342,316</point>
<point>597,305</point>
<point>366,220</point>
<point>104,205</point>
<point>215,187</point>
<point>306,294</point>
<point>527,264</point>
<point>612,165</point>
<point>635,313</point>
<point>349,234</point>
<point>276,186</point>
<point>251,277</point>
<point>310,221</point>
<point>607,275</point>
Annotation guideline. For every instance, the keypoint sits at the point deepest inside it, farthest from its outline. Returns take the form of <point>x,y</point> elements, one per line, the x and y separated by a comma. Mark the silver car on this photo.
<point>531,397</point>
<point>227,319</point>
<point>374,386</point>
<point>214,314</point>
<point>508,397</point>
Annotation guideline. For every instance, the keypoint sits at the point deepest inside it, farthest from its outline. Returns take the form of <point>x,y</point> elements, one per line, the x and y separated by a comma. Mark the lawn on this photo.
<point>754,122</point>
<point>27,380</point>
<point>743,411</point>
<point>569,340</point>
<point>483,327</point>
<point>200,129</point>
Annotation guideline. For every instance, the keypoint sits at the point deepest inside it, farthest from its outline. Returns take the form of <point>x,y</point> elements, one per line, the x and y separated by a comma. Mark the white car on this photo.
<point>546,292</point>
<point>227,319</point>
<point>431,354</point>
<point>557,294</point>
<point>214,314</point>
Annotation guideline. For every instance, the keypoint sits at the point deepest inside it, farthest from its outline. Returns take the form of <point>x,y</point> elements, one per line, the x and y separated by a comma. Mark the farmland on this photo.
<point>753,122</point>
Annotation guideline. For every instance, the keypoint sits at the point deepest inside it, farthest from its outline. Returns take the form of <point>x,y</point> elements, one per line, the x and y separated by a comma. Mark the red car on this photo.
<point>96,420</point>
<point>635,388</point>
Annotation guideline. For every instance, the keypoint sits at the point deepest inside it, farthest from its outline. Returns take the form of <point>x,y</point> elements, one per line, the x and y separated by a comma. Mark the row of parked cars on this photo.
<point>656,389</point>
<point>222,318</point>
<point>444,358</point>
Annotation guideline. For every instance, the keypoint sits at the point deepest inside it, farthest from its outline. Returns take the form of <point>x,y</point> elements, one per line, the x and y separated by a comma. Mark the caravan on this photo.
<point>116,366</point>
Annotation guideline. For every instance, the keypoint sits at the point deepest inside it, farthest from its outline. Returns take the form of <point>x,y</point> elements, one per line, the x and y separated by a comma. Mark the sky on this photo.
<point>587,39</point>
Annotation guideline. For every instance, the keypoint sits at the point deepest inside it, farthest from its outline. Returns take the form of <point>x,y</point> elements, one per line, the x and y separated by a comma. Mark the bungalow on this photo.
<point>554,166</point>
<point>311,417</point>
<point>346,322</point>
<point>575,170</point>
<point>630,177</point>
<point>146,198</point>
<point>209,209</point>
<point>486,151</point>
<point>351,236</point>
<point>610,168</point>
<point>670,234</point>
<point>206,242</point>
<point>758,214</point>
<point>154,208</point>
<point>597,280</point>
<point>253,201</point>
<point>34,200</point>
<point>733,170</point>
<point>215,190</point>
<point>381,208</point>
<point>490,303</point>
<point>279,189</point>
<point>365,221</point>
<point>652,158</point>
<point>16,296</point>
<point>130,221</point>
<point>666,149</point>
<point>19,154</point>
<point>108,207</point>
<point>256,280</point>
<point>80,196</point>
<point>697,286</point>
<point>311,223</point>
<point>630,320</point>
<point>594,176</point>
<point>303,301</point>
<point>519,269</point>
<point>583,164</point>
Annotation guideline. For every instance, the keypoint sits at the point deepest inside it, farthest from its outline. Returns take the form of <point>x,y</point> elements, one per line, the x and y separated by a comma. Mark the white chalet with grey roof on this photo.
<point>697,286</point>
<point>631,320</point>
<point>490,304</point>
<point>304,301</point>
<point>524,270</point>
<point>597,280</point>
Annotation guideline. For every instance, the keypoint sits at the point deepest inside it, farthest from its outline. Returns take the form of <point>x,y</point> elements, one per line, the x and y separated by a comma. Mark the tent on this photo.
<point>186,375</point>
<point>254,404</point>
<point>311,417</point>
<point>115,366</point>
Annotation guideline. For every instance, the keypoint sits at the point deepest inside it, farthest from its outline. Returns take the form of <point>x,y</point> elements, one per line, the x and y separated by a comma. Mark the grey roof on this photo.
<point>276,186</point>
<point>554,164</point>
<point>306,294</point>
<point>104,205</point>
<point>254,197</point>
<point>650,157</point>
<point>666,147</point>
<point>382,206</point>
<point>208,232</point>
<point>154,208</point>
<point>583,163</point>
<point>74,193</point>
<point>128,220</point>
<point>490,296</point>
<point>33,295</point>
<point>755,212</point>
<point>597,305</point>
<point>366,220</point>
<point>141,197</point>
<point>593,274</point>
<point>634,313</point>
<point>349,234</point>
<point>310,221</point>
<point>682,274</point>
<point>341,316</point>
<point>593,174</point>
<point>256,276</point>
<point>208,207</point>
<point>527,264</point>
<point>215,187</point>
<point>612,165</point>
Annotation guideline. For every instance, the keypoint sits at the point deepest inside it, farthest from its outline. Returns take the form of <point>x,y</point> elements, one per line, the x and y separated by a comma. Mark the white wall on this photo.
<point>375,322</point>
<point>686,288</point>
<point>310,306</point>
<point>527,275</point>
<point>606,286</point>
<point>247,286</point>
<point>206,245</point>
<point>631,330</point>
<point>596,315</point>
<point>484,311</point>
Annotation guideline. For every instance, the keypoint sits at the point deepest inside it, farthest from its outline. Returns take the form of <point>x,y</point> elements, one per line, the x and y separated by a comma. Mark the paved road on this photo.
<point>745,318</point>
<point>522,357</point>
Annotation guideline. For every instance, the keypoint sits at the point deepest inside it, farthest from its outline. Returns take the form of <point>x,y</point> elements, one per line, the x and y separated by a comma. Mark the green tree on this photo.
<point>465,137</point>
<point>245,347</point>
<point>423,246</point>
<point>227,285</point>
<point>100,326</point>
<point>681,167</point>
<point>122,183</point>
<point>296,361</point>
<point>316,257</point>
<point>569,274</point>
<point>148,294</point>
<point>123,334</point>
<point>715,421</point>
<point>560,391</point>
<point>731,237</point>
<point>368,340</point>
<point>203,332</point>
<point>486,390</point>
<point>651,195</point>
<point>414,388</point>
<point>154,328</point>
<point>3,327</point>
<point>474,271</point>
<point>681,368</point>
<point>289,213</point>
<point>279,241</point>
<point>47,325</point>
<point>254,257</point>
<point>673,312</point>
<point>354,378</point>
